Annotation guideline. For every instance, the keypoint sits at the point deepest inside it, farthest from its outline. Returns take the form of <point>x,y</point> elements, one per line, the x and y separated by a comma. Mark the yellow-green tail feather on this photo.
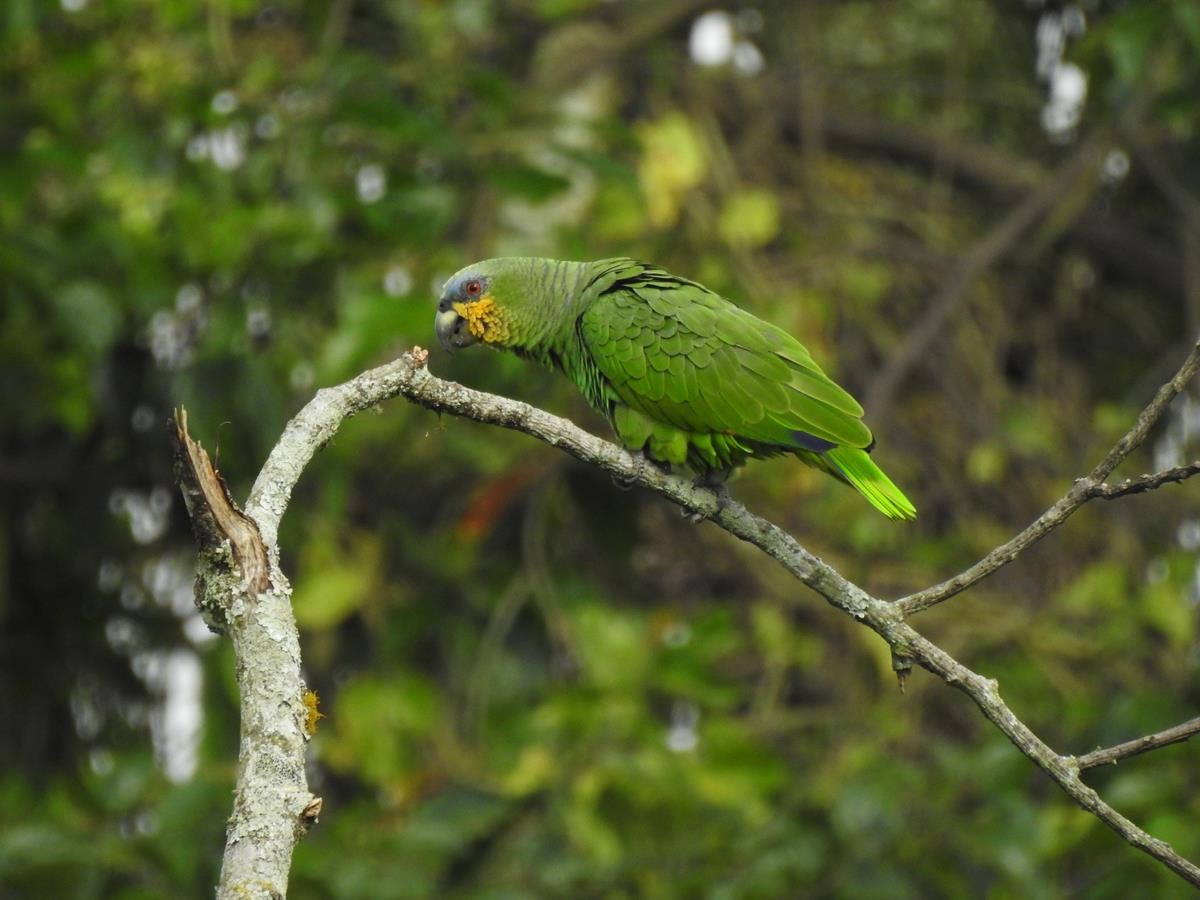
<point>858,469</point>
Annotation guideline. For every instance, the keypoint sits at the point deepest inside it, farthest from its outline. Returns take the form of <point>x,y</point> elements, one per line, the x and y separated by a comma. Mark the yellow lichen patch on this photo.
<point>484,320</point>
<point>312,715</point>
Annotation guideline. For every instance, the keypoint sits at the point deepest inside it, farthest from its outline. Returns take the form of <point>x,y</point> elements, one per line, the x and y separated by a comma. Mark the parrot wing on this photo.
<point>683,355</point>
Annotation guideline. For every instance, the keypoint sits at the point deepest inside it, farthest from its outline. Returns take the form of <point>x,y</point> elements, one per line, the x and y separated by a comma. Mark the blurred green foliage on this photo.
<point>536,684</point>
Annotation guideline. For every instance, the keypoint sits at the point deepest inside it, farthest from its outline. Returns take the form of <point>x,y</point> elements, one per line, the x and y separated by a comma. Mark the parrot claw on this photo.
<point>623,484</point>
<point>639,462</point>
<point>715,482</point>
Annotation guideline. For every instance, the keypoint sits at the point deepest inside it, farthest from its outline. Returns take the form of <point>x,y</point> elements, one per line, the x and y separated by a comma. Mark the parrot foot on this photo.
<point>715,482</point>
<point>639,460</point>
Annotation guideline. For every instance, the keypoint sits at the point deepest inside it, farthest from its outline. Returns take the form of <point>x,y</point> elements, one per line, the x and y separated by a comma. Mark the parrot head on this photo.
<point>480,304</point>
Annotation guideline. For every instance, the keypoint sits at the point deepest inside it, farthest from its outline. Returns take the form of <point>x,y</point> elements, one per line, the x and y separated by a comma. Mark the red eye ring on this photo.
<point>474,288</point>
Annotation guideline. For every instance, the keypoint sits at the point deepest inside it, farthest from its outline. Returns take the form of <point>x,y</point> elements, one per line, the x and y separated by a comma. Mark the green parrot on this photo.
<point>683,375</point>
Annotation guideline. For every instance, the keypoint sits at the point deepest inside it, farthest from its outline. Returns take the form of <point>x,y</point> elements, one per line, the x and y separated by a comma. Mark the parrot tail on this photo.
<point>860,471</point>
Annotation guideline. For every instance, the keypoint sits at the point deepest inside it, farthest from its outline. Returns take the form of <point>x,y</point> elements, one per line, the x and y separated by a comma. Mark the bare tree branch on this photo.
<point>310,430</point>
<point>1087,488</point>
<point>1113,755</point>
<point>1144,483</point>
<point>249,599</point>
<point>408,377</point>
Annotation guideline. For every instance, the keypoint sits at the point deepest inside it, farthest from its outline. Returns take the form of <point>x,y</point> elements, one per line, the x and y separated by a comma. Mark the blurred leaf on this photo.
<point>88,315</point>
<point>535,766</point>
<point>527,181</point>
<point>613,647</point>
<point>750,218</point>
<point>1100,586</point>
<point>619,212</point>
<point>71,402</point>
<point>673,162</point>
<point>1168,608</point>
<point>1129,35</point>
<point>1187,16</point>
<point>986,463</point>
<point>378,726</point>
<point>339,587</point>
<point>589,832</point>
<point>773,632</point>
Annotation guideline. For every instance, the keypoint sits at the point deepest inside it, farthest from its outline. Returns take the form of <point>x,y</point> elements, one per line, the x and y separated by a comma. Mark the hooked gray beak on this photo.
<point>451,328</point>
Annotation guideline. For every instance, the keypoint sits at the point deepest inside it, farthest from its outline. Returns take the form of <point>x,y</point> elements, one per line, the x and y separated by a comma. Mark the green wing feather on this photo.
<point>683,367</point>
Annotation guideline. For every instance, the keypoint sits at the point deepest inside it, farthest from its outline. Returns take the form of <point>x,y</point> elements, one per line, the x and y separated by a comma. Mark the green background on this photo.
<point>537,685</point>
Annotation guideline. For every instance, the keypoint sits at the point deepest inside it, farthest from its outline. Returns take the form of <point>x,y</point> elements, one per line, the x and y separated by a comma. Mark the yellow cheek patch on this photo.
<point>484,320</point>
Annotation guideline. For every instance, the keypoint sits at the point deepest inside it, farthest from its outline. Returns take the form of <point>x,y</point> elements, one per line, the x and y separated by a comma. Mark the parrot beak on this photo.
<point>451,328</point>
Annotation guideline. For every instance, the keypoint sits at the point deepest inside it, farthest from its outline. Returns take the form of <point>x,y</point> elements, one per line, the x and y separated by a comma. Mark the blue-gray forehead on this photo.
<point>456,281</point>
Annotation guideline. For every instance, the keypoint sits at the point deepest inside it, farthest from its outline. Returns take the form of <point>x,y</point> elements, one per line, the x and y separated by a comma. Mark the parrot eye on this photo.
<point>474,287</point>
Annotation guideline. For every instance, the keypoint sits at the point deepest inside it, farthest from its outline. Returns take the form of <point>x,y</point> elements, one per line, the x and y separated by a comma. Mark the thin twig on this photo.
<point>310,430</point>
<point>1111,755</point>
<point>1144,483</point>
<point>1086,488</point>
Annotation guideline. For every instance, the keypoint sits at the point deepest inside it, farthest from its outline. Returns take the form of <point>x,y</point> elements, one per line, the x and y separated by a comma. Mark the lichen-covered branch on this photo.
<point>1144,744</point>
<point>1144,483</point>
<point>1087,488</point>
<point>246,596</point>
<point>312,428</point>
